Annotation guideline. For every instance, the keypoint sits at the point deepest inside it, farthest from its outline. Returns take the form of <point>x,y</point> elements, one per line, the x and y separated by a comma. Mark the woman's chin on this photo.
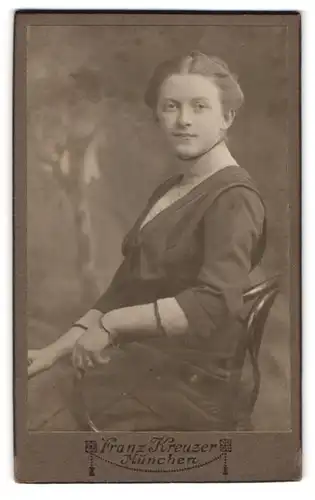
<point>187,153</point>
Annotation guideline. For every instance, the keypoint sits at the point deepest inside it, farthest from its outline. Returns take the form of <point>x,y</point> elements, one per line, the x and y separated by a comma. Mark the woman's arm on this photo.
<point>142,321</point>
<point>232,229</point>
<point>42,359</point>
<point>126,325</point>
<point>64,344</point>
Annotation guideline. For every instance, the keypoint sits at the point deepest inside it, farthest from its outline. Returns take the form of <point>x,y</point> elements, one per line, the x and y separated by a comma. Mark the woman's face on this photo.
<point>190,113</point>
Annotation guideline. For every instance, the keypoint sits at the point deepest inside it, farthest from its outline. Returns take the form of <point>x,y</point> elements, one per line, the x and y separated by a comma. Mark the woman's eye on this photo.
<point>169,106</point>
<point>199,106</point>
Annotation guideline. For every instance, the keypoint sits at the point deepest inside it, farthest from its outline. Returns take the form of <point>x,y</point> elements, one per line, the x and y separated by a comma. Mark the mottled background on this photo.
<point>95,154</point>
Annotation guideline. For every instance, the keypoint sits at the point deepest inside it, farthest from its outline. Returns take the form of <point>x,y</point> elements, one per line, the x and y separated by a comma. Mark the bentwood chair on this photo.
<point>260,299</point>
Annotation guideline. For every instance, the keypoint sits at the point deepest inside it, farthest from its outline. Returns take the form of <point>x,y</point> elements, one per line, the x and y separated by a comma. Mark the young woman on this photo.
<point>188,257</point>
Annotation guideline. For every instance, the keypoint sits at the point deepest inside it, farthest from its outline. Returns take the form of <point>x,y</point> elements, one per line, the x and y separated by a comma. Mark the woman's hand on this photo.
<point>88,349</point>
<point>40,360</point>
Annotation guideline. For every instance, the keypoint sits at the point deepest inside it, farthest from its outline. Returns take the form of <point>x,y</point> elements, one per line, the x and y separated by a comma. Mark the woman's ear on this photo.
<point>228,119</point>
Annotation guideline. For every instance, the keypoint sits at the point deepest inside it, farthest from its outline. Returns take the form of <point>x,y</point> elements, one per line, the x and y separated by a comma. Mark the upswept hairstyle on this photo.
<point>198,63</point>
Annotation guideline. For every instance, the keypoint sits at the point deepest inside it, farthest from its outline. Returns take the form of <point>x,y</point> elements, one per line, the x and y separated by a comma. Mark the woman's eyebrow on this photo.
<point>200,98</point>
<point>171,99</point>
<point>192,99</point>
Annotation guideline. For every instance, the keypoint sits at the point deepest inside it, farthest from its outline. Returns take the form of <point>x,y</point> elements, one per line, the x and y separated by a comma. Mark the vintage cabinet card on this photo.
<point>157,246</point>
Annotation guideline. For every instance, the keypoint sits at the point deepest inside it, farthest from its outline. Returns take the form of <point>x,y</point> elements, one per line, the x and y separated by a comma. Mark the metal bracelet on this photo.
<point>79,325</point>
<point>158,319</point>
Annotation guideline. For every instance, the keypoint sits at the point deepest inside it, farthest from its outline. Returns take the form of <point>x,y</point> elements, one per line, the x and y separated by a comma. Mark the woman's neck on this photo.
<point>212,161</point>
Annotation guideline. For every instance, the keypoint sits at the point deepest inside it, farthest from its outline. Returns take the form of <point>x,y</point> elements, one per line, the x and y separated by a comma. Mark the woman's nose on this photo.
<point>184,117</point>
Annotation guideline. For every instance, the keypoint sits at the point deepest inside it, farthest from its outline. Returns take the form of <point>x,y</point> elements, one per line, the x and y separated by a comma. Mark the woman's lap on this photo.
<point>122,396</point>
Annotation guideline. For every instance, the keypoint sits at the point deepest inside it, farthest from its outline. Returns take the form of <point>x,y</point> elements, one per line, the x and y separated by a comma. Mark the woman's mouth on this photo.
<point>182,136</point>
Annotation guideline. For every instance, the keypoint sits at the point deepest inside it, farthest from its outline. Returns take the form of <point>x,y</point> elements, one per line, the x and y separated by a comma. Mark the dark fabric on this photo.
<point>206,243</point>
<point>200,250</point>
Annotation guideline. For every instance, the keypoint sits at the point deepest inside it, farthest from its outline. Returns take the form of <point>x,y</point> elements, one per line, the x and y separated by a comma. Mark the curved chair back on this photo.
<point>263,296</point>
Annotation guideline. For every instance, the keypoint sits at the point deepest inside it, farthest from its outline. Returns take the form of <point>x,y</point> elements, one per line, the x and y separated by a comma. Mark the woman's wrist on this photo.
<point>89,319</point>
<point>108,329</point>
<point>159,325</point>
<point>65,344</point>
<point>83,327</point>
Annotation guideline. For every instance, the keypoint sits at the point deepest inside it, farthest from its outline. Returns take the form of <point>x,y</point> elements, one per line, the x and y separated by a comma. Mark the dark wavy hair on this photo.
<point>198,63</point>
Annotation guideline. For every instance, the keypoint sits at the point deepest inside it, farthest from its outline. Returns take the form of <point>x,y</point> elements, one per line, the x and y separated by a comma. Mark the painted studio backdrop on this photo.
<point>95,155</point>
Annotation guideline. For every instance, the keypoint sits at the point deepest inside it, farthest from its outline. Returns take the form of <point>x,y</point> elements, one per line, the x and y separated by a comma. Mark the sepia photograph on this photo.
<point>161,242</point>
<point>157,223</point>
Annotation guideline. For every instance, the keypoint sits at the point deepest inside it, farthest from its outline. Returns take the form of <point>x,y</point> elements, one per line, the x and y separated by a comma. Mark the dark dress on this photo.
<point>201,251</point>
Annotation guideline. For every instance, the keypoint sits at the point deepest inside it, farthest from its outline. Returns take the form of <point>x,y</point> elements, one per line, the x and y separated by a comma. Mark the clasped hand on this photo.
<point>88,349</point>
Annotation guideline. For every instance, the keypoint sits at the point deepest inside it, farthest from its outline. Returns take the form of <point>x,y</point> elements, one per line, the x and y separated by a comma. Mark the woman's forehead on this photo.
<point>188,86</point>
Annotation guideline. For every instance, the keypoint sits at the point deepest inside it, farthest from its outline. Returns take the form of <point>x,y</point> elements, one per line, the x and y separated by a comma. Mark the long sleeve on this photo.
<point>232,227</point>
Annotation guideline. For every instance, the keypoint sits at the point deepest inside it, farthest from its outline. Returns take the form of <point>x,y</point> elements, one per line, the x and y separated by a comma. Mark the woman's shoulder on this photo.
<point>233,182</point>
<point>233,189</point>
<point>234,175</point>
